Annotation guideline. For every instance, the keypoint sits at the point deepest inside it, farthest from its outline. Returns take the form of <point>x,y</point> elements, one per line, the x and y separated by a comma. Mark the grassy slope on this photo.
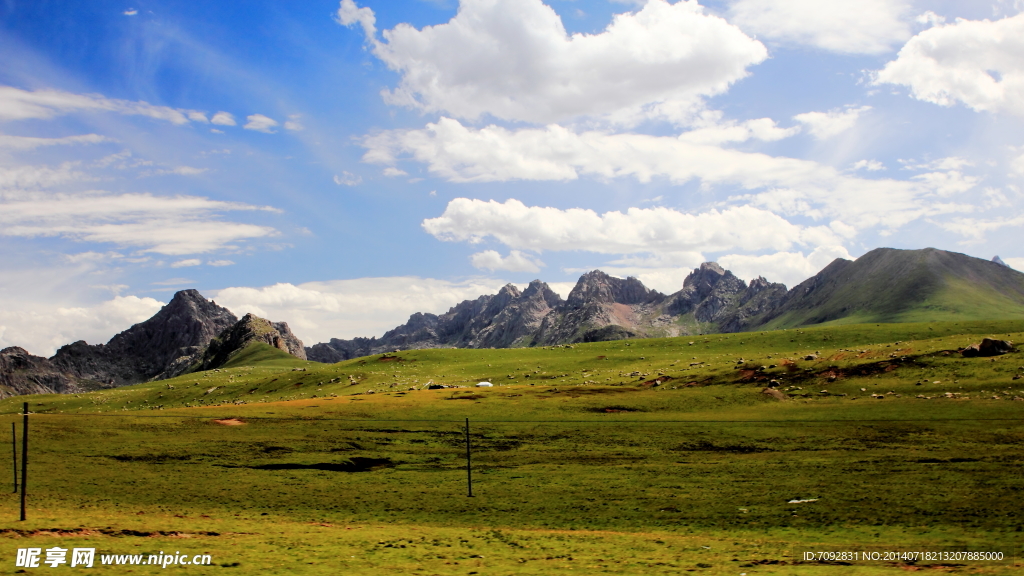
<point>642,489</point>
<point>889,285</point>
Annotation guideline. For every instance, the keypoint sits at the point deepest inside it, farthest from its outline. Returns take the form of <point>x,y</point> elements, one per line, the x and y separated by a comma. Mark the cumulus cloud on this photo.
<point>319,311</point>
<point>1015,263</point>
<point>974,62</point>
<point>638,230</point>
<point>516,261</point>
<point>41,328</point>
<point>165,225</point>
<point>514,60</point>
<point>223,119</point>
<point>843,26</point>
<point>782,185</point>
<point>391,171</point>
<point>17,104</point>
<point>824,125</point>
<point>293,123</point>
<point>186,263</point>
<point>869,165</point>
<point>260,123</point>
<point>718,132</point>
<point>31,143</point>
<point>790,268</point>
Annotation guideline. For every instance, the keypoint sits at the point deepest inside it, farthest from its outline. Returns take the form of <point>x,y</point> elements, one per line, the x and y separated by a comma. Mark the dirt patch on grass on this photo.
<point>778,395</point>
<point>229,422</point>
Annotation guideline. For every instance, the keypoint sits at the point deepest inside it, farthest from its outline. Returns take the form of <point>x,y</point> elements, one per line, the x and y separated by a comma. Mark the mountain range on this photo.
<point>191,333</point>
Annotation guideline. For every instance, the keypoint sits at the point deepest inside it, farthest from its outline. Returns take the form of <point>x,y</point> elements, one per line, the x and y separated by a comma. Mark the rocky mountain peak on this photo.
<point>540,290</point>
<point>598,287</point>
<point>145,351</point>
<point>703,279</point>
<point>249,329</point>
<point>999,261</point>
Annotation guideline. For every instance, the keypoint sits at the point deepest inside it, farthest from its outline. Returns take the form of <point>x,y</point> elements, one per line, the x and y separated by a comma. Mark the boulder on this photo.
<point>987,347</point>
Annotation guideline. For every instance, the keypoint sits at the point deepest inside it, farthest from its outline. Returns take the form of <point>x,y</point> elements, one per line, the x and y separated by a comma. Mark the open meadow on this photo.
<point>718,454</point>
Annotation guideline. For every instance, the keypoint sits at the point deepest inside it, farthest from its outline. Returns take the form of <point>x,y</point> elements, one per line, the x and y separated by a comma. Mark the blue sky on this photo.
<point>341,165</point>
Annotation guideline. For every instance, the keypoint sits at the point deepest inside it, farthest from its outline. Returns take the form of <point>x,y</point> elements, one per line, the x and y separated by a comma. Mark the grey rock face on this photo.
<point>23,373</point>
<point>249,329</point>
<point>508,318</point>
<point>146,350</point>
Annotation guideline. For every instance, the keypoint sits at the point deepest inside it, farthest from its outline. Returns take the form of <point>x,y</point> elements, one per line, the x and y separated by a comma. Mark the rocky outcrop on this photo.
<point>988,347</point>
<point>23,373</point>
<point>151,349</point>
<point>249,329</point>
<point>506,319</point>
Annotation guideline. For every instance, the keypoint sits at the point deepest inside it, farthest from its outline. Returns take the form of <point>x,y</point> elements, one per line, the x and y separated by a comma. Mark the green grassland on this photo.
<point>655,456</point>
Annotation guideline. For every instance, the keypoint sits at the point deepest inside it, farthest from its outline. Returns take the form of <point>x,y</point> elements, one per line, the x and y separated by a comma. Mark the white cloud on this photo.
<point>1015,263</point>
<point>31,143</point>
<point>223,119</point>
<point>391,171</point>
<point>844,26</point>
<point>869,165</point>
<point>824,125</point>
<point>319,311</point>
<point>198,117</point>
<point>173,226</point>
<point>130,12</point>
<point>41,328</point>
<point>974,229</point>
<point>516,261</point>
<point>186,263</point>
<point>977,63</point>
<point>929,18</point>
<point>790,268</point>
<point>347,179</point>
<point>293,123</point>
<point>1017,166</point>
<point>514,60</point>
<point>218,263</point>
<point>349,14</point>
<point>28,177</point>
<point>785,185</point>
<point>260,123</point>
<point>716,132</point>
<point>638,230</point>
<point>17,104</point>
<point>180,171</point>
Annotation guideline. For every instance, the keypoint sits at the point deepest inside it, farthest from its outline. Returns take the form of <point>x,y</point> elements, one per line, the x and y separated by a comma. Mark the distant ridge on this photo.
<point>172,342</point>
<point>884,285</point>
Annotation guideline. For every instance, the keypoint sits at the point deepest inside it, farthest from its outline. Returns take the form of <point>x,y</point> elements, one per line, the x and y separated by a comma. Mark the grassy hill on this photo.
<point>888,285</point>
<point>651,456</point>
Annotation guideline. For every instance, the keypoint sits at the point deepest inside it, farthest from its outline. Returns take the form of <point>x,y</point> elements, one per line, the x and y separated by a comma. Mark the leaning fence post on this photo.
<point>24,458</point>
<point>469,465</point>
<point>14,453</point>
